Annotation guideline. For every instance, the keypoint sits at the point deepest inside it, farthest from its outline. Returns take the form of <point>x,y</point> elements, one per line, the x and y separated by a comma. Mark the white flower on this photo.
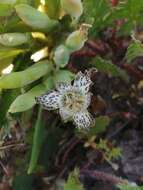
<point>72,101</point>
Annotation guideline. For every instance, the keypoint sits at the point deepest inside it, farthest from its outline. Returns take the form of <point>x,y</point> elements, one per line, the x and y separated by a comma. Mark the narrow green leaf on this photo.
<point>73,182</point>
<point>34,18</point>
<point>129,187</point>
<point>53,8</point>
<point>7,55</point>
<point>23,182</point>
<point>109,68</point>
<point>37,142</point>
<point>5,10</point>
<point>22,78</point>
<point>9,52</point>
<point>5,63</point>
<point>134,50</point>
<point>7,97</point>
<point>98,16</point>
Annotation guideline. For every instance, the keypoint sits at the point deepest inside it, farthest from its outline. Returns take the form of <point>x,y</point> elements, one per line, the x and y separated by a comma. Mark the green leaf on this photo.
<point>50,147</point>
<point>48,82</point>
<point>53,8</point>
<point>130,9</point>
<point>129,187</point>
<point>27,100</point>
<point>101,123</point>
<point>5,63</point>
<point>9,52</point>
<point>37,141</point>
<point>14,39</point>
<point>7,55</point>
<point>109,68</point>
<point>98,16</point>
<point>23,182</point>
<point>103,15</point>
<point>29,2</point>
<point>11,2</point>
<point>7,97</point>
<point>14,24</point>
<point>5,10</point>
<point>7,6</point>
<point>131,12</point>
<point>63,76</point>
<point>22,78</point>
<point>125,29</point>
<point>73,182</point>
<point>134,50</point>
<point>35,19</point>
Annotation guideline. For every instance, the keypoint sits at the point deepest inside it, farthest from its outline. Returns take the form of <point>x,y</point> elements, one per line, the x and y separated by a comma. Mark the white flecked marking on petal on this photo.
<point>83,120</point>
<point>49,101</point>
<point>82,81</point>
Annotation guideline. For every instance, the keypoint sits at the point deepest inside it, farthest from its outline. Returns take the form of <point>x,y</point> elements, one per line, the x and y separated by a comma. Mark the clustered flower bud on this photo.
<point>74,42</point>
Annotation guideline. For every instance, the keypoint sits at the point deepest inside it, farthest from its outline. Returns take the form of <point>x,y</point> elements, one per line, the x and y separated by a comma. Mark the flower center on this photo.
<point>73,101</point>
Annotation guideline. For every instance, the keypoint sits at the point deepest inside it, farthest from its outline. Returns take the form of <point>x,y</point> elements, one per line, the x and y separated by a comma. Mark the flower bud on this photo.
<point>61,56</point>
<point>72,7</point>
<point>76,39</point>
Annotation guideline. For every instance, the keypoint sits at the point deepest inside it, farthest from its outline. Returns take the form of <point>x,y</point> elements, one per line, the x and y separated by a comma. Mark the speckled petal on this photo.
<point>83,120</point>
<point>63,87</point>
<point>82,81</point>
<point>87,100</point>
<point>49,101</point>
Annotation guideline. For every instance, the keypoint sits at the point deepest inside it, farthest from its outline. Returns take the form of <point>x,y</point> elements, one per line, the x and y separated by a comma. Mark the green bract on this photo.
<point>61,56</point>
<point>76,39</point>
<point>74,42</point>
